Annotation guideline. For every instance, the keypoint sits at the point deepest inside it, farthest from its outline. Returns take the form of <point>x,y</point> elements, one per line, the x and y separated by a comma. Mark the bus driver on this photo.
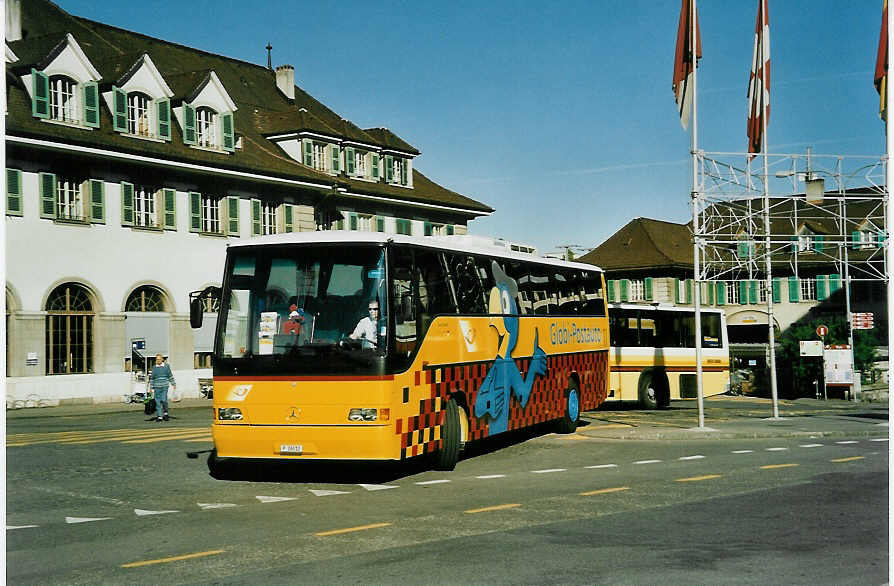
<point>366,327</point>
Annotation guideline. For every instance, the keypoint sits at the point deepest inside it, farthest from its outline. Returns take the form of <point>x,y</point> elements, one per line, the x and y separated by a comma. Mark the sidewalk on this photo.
<point>98,409</point>
<point>740,417</point>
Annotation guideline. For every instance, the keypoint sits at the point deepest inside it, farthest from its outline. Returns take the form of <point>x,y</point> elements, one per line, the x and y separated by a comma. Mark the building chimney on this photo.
<point>13,20</point>
<point>285,80</point>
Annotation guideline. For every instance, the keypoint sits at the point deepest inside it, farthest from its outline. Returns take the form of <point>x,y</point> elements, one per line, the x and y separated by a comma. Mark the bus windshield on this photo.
<point>303,310</point>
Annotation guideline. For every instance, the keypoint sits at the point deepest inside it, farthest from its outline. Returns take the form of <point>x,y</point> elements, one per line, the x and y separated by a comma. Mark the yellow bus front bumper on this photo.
<point>307,442</point>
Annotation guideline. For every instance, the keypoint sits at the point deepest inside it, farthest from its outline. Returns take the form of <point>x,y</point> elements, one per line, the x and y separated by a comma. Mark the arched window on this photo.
<point>206,127</point>
<point>63,100</point>
<point>69,332</point>
<point>145,298</point>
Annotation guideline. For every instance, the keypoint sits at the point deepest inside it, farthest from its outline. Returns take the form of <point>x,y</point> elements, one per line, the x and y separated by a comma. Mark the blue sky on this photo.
<point>559,115</point>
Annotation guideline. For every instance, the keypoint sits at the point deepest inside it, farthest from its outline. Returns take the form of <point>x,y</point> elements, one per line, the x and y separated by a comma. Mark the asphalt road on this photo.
<point>113,499</point>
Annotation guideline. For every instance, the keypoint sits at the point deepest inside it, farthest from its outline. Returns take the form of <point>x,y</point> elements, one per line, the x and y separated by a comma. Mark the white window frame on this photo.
<point>269,224</point>
<point>70,200</point>
<point>139,114</point>
<point>805,242</point>
<point>807,290</point>
<point>732,293</point>
<point>636,290</point>
<point>397,164</point>
<point>64,103</point>
<point>145,207</point>
<point>360,167</point>
<point>867,239</point>
<point>762,291</point>
<point>365,223</point>
<point>211,214</point>
<point>320,156</point>
<point>207,121</point>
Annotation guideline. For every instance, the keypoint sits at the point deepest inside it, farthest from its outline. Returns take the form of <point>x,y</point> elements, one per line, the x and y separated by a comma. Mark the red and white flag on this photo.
<point>881,66</point>
<point>684,70</point>
<point>759,83</point>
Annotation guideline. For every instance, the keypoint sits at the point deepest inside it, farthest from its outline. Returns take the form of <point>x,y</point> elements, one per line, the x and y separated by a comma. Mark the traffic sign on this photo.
<point>862,321</point>
<point>822,331</point>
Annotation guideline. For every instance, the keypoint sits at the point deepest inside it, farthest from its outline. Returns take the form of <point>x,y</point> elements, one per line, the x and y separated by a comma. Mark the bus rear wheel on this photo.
<point>447,457</point>
<point>571,416</point>
<point>653,393</point>
<point>220,468</point>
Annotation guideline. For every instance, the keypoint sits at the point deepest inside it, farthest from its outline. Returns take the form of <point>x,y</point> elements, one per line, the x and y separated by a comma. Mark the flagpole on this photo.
<point>696,253</point>
<point>767,241</point>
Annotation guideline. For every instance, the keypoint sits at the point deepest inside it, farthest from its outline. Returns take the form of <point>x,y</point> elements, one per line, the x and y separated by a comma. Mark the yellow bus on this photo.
<point>652,356</point>
<point>365,346</point>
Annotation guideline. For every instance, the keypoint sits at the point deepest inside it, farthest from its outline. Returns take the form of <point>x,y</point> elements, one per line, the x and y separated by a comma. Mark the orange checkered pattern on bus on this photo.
<point>420,434</point>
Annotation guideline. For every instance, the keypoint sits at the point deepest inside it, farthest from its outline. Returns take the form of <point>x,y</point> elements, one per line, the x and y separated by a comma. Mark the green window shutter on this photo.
<point>742,249</point>
<point>47,195</point>
<point>229,133</point>
<point>288,221</point>
<point>795,244</point>
<point>232,216</point>
<point>818,242</point>
<point>189,124</point>
<point>880,238</point>
<point>97,201</point>
<point>752,292</point>
<point>375,167</point>
<point>255,217</point>
<point>389,169</point>
<point>403,171</point>
<point>380,224</point>
<point>91,104</point>
<point>308,153</point>
<point>336,162</point>
<point>40,94</point>
<point>352,221</point>
<point>170,202</point>
<point>610,290</point>
<point>709,293</point>
<point>688,286</point>
<point>163,118</point>
<point>13,192</point>
<point>647,286</point>
<point>677,291</point>
<point>743,292</point>
<point>427,229</point>
<point>855,239</point>
<point>834,283</point>
<point>119,114</point>
<point>349,160</point>
<point>195,211</point>
<point>450,230</point>
<point>126,204</point>
<point>721,293</point>
<point>822,287</point>
<point>625,289</point>
<point>777,290</point>
<point>794,290</point>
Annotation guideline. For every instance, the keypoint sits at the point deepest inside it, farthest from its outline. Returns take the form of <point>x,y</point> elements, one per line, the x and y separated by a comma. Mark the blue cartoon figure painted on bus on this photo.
<point>504,380</point>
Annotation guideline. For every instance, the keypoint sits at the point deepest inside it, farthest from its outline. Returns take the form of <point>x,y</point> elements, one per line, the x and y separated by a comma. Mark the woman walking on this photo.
<point>159,379</point>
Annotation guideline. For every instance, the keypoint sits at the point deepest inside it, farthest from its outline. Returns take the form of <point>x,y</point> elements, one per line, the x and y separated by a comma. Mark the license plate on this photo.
<point>290,448</point>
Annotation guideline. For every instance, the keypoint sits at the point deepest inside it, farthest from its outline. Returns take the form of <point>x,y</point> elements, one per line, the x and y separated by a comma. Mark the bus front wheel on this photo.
<point>447,457</point>
<point>571,415</point>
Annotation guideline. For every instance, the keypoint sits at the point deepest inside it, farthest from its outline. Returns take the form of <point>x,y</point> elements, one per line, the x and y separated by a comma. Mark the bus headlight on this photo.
<point>363,415</point>
<point>229,414</point>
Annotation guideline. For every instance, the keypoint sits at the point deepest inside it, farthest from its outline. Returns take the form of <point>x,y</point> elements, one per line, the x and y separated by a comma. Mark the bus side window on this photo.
<point>467,284</point>
<point>403,299</point>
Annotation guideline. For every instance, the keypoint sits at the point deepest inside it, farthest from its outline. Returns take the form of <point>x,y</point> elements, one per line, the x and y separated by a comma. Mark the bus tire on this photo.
<point>219,468</point>
<point>571,414</point>
<point>653,393</point>
<point>447,457</point>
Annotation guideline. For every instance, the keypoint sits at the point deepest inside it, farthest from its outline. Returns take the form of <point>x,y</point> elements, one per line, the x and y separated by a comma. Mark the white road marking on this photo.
<point>648,462</point>
<point>811,445</point>
<point>602,466</point>
<point>79,495</point>
<point>848,442</point>
<point>490,476</point>
<point>328,492</point>
<point>143,512</point>
<point>548,471</point>
<point>427,482</point>
<point>274,499</point>
<point>11,527</point>
<point>777,449</point>
<point>743,451</point>
<point>697,457</point>
<point>879,439</point>
<point>85,519</point>
<point>373,487</point>
<point>217,505</point>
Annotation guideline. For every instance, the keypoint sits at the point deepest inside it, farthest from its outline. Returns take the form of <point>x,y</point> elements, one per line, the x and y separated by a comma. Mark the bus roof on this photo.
<point>471,244</point>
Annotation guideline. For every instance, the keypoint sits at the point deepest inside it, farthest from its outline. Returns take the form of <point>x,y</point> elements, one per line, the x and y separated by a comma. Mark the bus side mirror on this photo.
<point>195,312</point>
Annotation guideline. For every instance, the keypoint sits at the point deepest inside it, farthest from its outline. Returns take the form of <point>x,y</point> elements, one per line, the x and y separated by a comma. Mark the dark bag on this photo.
<point>149,407</point>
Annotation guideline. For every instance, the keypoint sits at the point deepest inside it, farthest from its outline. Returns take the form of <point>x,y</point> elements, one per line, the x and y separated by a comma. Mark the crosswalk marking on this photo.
<point>126,436</point>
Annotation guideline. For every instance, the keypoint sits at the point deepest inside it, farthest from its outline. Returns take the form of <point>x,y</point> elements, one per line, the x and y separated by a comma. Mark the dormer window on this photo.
<point>206,127</point>
<point>321,156</point>
<point>138,114</point>
<point>397,170</point>
<point>65,90</point>
<point>63,103</point>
